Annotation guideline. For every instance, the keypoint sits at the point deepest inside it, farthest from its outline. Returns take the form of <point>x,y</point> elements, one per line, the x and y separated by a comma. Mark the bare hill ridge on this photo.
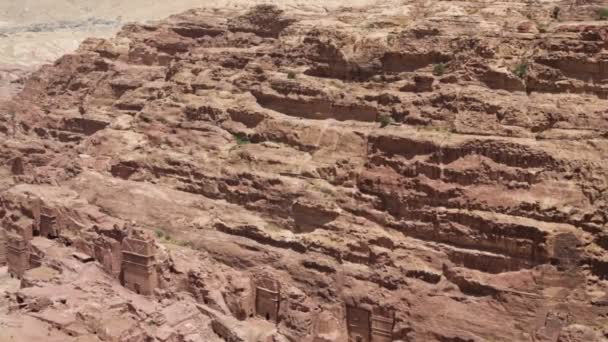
<point>36,32</point>
<point>400,172</point>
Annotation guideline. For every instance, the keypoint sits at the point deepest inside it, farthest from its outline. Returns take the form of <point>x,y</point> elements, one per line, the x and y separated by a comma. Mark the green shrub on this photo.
<point>521,70</point>
<point>439,69</point>
<point>241,139</point>
<point>183,243</point>
<point>159,233</point>
<point>291,75</point>
<point>555,13</point>
<point>603,13</point>
<point>436,129</point>
<point>385,120</point>
<point>170,240</point>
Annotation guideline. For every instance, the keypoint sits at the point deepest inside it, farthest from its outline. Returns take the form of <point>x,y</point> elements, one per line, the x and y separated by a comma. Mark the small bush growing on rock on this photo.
<point>183,243</point>
<point>385,120</point>
<point>436,129</point>
<point>241,139</point>
<point>159,233</point>
<point>603,13</point>
<point>555,12</point>
<point>521,70</point>
<point>291,75</point>
<point>439,69</point>
<point>168,239</point>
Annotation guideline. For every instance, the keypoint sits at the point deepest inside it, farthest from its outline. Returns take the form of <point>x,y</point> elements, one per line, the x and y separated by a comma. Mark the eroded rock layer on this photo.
<point>410,172</point>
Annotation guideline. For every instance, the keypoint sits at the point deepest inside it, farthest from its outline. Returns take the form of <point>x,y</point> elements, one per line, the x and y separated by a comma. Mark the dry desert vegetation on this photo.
<point>305,171</point>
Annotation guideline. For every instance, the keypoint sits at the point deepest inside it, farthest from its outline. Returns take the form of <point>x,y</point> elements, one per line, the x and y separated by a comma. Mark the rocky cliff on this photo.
<point>438,167</point>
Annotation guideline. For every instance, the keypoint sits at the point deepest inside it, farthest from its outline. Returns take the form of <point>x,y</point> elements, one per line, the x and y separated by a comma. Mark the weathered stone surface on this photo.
<point>403,172</point>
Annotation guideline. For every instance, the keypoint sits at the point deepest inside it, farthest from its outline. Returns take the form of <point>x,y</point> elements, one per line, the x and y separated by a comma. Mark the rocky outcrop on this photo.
<point>415,172</point>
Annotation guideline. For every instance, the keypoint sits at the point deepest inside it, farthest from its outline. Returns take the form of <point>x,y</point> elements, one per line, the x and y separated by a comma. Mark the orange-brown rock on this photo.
<point>403,172</point>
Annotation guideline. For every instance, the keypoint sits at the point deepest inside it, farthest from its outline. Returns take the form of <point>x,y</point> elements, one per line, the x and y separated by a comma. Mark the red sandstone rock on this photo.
<point>278,175</point>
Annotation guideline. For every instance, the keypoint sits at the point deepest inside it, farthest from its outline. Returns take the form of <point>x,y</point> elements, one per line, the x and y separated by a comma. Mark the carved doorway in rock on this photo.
<point>382,325</point>
<point>358,324</point>
<point>267,304</point>
<point>48,226</point>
